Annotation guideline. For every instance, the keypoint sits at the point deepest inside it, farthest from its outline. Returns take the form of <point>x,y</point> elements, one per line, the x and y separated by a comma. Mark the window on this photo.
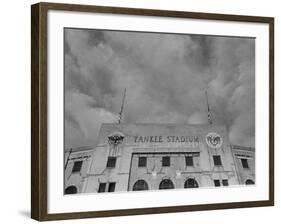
<point>191,183</point>
<point>217,160</point>
<point>142,161</point>
<point>102,187</point>
<point>217,183</point>
<point>77,166</point>
<point>225,182</point>
<point>111,187</point>
<point>70,190</point>
<point>245,163</point>
<point>140,185</point>
<point>249,182</point>
<point>189,161</point>
<point>165,161</point>
<point>166,184</point>
<point>111,162</point>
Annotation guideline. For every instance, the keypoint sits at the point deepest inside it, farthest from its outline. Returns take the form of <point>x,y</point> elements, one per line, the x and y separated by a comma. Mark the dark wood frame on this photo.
<point>39,110</point>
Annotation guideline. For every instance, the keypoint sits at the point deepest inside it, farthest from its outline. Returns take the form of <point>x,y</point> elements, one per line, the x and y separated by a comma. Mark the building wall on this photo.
<point>248,154</point>
<point>98,173</point>
<point>154,172</point>
<point>203,171</point>
<point>77,179</point>
<point>127,172</point>
<point>128,142</point>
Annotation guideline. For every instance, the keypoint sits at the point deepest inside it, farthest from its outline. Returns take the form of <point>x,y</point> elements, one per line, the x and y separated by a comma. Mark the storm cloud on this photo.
<point>165,75</point>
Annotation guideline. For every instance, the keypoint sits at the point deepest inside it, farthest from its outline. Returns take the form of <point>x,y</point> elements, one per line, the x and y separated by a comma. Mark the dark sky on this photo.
<point>166,76</point>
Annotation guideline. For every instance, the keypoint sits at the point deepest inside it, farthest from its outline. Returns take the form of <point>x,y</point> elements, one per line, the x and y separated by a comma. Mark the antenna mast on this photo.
<point>122,107</point>
<point>209,111</point>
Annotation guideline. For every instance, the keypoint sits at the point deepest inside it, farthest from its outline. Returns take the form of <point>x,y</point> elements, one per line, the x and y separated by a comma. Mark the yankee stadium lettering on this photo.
<point>166,139</point>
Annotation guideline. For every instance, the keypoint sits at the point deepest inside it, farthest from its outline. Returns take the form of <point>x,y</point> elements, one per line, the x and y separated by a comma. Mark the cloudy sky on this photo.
<point>165,76</point>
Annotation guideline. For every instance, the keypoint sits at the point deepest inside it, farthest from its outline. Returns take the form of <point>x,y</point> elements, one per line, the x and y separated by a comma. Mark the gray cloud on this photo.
<point>165,76</point>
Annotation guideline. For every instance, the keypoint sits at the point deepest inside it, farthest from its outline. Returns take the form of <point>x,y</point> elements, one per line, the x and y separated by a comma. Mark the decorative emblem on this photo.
<point>115,138</point>
<point>213,140</point>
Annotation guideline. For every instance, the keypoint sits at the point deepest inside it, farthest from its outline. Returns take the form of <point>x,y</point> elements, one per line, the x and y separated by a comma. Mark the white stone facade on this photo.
<point>155,156</point>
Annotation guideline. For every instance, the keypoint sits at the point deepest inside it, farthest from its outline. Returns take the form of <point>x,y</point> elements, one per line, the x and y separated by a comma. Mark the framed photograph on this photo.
<point>141,111</point>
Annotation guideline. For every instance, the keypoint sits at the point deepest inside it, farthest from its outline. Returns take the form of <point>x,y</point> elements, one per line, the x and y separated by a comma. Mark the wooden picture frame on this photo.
<point>39,110</point>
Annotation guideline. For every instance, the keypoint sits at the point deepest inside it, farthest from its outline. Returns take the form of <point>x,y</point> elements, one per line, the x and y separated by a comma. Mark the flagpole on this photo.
<point>208,108</point>
<point>122,107</point>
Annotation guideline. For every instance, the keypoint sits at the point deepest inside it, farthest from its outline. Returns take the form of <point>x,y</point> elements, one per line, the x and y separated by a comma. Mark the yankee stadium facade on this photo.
<point>132,157</point>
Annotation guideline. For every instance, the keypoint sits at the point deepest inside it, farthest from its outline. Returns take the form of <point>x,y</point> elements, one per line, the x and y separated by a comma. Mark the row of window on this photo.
<point>189,183</point>
<point>188,161</point>
<point>166,162</point>
<point>111,162</point>
<point>142,162</point>
<point>168,184</point>
<point>142,185</point>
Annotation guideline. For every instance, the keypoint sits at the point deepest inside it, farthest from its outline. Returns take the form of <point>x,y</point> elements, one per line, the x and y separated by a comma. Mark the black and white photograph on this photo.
<point>154,111</point>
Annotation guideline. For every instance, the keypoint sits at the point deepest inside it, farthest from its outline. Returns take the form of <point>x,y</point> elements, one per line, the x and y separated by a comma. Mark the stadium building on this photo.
<point>131,157</point>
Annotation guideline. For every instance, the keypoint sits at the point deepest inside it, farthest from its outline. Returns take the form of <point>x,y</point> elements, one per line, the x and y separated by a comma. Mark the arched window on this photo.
<point>140,185</point>
<point>166,184</point>
<point>70,190</point>
<point>249,182</point>
<point>191,183</point>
